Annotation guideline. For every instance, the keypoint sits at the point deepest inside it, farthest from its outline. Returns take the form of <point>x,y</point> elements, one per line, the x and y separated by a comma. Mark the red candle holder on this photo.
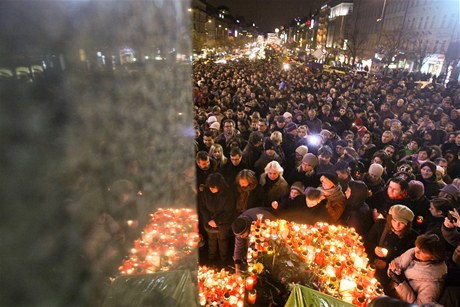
<point>252,296</point>
<point>250,282</point>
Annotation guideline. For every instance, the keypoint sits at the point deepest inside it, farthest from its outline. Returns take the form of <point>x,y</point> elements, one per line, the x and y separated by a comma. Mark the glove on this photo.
<point>396,278</point>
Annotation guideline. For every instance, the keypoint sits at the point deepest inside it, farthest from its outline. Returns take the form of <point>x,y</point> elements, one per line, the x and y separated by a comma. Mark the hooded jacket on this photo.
<point>425,279</point>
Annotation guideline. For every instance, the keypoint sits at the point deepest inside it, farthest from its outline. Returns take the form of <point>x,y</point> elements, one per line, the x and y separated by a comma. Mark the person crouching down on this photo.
<point>418,274</point>
<point>241,227</point>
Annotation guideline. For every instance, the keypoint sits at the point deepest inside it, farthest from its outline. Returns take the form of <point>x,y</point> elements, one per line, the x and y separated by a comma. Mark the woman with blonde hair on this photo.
<point>216,153</point>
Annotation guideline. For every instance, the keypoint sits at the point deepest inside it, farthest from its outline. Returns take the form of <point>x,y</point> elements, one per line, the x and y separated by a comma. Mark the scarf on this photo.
<point>243,196</point>
<point>332,192</point>
<point>270,183</point>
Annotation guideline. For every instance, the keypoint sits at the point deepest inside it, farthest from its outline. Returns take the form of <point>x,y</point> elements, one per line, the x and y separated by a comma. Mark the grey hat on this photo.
<point>310,159</point>
<point>451,190</point>
<point>298,186</point>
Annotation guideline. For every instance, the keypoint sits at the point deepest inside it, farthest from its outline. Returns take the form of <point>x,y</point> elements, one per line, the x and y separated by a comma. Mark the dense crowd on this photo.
<point>379,154</point>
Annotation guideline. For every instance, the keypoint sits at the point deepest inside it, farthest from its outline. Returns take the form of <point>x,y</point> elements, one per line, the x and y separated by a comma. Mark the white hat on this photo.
<point>215,125</point>
<point>211,119</point>
<point>287,114</point>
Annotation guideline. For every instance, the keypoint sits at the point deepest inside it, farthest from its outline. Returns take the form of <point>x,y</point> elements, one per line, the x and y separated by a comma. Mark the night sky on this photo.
<point>268,14</point>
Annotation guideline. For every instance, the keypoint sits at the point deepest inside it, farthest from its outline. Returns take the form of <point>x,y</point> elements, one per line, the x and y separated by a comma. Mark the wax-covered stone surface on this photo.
<point>102,110</point>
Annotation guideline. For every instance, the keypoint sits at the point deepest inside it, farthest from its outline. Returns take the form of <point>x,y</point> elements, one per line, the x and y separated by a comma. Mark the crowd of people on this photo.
<point>379,154</point>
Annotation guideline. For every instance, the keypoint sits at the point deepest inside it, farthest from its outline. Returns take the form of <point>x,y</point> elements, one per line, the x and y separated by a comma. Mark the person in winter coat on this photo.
<point>249,193</point>
<point>269,154</point>
<point>218,211</point>
<point>297,189</point>
<point>389,238</point>
<point>428,178</point>
<point>306,172</point>
<point>307,208</point>
<point>419,273</point>
<point>273,183</point>
<point>357,213</point>
<point>395,193</point>
<point>332,192</point>
<point>420,205</point>
<point>450,233</point>
<point>376,186</point>
<point>241,227</point>
<point>253,149</point>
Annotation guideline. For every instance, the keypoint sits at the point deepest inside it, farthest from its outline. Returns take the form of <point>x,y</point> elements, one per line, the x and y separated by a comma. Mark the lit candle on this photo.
<point>359,263</point>
<point>384,252</point>
<point>252,296</point>
<point>249,283</point>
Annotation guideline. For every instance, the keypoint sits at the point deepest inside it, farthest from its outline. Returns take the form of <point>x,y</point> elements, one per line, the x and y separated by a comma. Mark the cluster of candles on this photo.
<point>334,254</point>
<point>220,288</point>
<point>170,235</point>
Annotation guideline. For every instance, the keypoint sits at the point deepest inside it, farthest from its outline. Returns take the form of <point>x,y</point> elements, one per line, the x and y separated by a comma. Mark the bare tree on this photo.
<point>353,44</point>
<point>389,45</point>
<point>417,50</point>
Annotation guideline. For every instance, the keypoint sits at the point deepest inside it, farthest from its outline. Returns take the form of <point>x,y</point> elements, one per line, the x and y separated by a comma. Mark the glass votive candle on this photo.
<point>252,296</point>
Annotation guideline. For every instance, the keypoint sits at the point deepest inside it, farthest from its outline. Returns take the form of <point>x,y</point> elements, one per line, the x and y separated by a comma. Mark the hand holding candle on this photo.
<point>381,251</point>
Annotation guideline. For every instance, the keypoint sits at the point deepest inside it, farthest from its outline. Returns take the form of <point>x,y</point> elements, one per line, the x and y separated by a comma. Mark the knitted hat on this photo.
<point>342,143</point>
<point>415,190</point>
<point>375,170</point>
<point>298,186</point>
<point>302,150</point>
<point>241,225</point>
<point>268,144</point>
<point>215,125</point>
<point>401,214</point>
<point>311,159</point>
<point>331,176</point>
<point>287,114</point>
<point>211,119</point>
<point>431,165</point>
<point>325,150</point>
<point>290,127</point>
